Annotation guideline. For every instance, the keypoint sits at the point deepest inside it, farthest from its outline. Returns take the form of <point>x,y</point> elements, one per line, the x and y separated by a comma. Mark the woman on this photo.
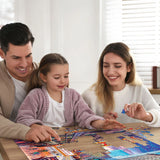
<point>118,89</point>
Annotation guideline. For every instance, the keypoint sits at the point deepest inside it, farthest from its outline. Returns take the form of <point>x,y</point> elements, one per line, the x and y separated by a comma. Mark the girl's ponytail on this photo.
<point>34,81</point>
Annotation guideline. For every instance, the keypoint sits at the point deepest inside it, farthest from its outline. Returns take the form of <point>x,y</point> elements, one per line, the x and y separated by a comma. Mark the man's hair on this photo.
<point>15,33</point>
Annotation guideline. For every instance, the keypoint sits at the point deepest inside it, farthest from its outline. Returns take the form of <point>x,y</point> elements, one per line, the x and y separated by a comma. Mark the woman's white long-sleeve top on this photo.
<point>128,95</point>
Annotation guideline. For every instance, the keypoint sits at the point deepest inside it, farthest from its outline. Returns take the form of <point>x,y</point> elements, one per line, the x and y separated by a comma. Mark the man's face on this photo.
<point>19,61</point>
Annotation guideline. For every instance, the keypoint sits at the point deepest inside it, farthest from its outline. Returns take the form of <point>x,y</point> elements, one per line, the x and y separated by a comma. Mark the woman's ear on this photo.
<point>129,67</point>
<point>43,77</point>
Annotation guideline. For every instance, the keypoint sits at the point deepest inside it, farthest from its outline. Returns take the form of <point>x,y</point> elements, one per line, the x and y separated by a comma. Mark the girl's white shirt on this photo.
<point>55,114</point>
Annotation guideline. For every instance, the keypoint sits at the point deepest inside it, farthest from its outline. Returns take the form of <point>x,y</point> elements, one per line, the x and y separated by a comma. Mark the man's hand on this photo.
<point>41,133</point>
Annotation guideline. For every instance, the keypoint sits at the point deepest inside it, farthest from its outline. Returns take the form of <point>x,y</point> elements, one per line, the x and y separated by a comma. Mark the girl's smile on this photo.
<point>57,78</point>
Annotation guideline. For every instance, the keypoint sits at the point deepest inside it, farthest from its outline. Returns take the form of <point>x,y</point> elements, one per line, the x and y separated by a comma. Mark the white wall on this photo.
<point>37,15</point>
<point>69,27</point>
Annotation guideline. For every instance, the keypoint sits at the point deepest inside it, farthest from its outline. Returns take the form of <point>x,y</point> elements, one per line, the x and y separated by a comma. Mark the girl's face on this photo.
<point>58,77</point>
<point>115,70</point>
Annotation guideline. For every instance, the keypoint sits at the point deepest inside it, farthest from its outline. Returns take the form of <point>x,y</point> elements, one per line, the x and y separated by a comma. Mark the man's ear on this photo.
<point>42,77</point>
<point>2,54</point>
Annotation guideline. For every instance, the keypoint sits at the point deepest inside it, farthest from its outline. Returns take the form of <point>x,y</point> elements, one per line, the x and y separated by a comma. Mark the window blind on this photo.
<point>136,23</point>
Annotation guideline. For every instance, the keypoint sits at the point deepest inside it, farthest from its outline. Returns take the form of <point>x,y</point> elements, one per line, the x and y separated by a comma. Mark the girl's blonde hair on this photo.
<point>44,68</point>
<point>103,90</point>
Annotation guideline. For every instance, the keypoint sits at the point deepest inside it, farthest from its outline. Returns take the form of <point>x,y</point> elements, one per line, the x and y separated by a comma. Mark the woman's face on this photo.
<point>115,70</point>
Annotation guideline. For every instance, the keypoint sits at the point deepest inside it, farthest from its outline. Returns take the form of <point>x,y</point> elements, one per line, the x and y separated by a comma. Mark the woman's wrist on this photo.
<point>149,117</point>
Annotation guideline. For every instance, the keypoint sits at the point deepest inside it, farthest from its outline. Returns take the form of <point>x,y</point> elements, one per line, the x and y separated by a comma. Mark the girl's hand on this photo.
<point>137,111</point>
<point>107,124</point>
<point>110,115</point>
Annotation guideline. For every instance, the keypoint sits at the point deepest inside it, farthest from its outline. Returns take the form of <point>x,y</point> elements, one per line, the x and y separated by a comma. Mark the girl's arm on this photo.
<point>85,117</point>
<point>29,114</point>
<point>28,111</point>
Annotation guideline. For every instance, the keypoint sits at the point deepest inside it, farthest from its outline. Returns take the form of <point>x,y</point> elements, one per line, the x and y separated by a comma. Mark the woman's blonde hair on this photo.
<point>103,90</point>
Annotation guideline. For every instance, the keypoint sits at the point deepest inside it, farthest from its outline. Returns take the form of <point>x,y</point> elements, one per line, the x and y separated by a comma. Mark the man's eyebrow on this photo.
<point>14,56</point>
<point>28,54</point>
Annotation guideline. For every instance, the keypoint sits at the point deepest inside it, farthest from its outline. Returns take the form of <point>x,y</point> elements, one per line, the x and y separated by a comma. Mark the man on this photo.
<point>16,42</point>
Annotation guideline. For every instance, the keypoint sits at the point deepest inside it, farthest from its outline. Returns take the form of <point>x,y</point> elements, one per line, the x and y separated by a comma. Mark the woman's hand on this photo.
<point>137,111</point>
<point>110,115</point>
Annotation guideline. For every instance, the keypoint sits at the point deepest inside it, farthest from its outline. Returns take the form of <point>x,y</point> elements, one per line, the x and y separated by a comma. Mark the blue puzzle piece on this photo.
<point>123,111</point>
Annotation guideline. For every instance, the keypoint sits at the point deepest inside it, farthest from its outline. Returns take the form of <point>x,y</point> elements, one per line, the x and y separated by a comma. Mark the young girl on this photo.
<point>50,102</point>
<point>117,88</point>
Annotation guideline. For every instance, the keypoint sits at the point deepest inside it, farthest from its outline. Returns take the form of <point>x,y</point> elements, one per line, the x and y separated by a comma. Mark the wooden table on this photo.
<point>10,151</point>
